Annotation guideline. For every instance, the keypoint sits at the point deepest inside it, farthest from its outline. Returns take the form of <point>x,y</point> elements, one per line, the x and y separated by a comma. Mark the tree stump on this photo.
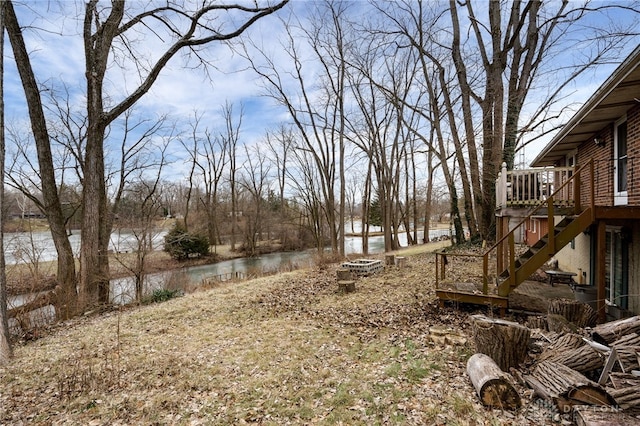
<point>578,313</point>
<point>608,332</point>
<point>343,274</point>
<point>493,386</point>
<point>401,262</point>
<point>506,342</point>
<point>347,286</point>
<point>389,259</point>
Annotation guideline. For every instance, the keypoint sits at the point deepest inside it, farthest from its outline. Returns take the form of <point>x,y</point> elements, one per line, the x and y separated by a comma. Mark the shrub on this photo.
<point>162,295</point>
<point>182,245</point>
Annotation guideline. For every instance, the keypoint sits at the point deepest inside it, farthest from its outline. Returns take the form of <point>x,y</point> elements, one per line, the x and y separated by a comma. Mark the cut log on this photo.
<point>622,380</point>
<point>343,274</point>
<point>389,259</point>
<point>346,286</point>
<point>587,416</point>
<point>493,386</point>
<point>584,359</point>
<point>401,262</point>
<point>566,342</point>
<point>609,332</point>
<point>628,347</point>
<point>578,313</point>
<point>506,342</point>
<point>625,390</point>
<point>560,324</point>
<point>566,387</point>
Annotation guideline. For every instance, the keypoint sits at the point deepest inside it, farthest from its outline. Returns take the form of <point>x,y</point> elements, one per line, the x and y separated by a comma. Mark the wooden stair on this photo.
<point>511,268</point>
<point>537,255</point>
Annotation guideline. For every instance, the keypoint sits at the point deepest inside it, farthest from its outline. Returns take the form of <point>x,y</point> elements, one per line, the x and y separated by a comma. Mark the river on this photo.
<point>38,246</point>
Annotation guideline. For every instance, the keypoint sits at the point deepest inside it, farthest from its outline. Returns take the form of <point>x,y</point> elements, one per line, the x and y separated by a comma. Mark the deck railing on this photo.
<point>528,187</point>
<point>504,252</point>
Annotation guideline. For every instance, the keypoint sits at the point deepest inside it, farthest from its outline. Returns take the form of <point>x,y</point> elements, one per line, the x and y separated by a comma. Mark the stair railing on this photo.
<point>508,240</point>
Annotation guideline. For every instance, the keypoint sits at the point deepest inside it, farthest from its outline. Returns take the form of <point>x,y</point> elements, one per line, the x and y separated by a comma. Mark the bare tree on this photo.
<point>5,343</point>
<point>501,53</point>
<point>208,160</point>
<point>254,181</point>
<point>230,139</point>
<point>106,30</point>
<point>316,105</point>
<point>66,272</point>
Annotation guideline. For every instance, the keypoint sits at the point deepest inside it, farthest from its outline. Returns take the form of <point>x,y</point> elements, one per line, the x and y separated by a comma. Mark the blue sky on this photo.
<point>57,54</point>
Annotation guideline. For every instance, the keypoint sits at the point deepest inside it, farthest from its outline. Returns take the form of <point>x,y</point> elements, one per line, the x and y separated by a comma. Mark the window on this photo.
<point>616,267</point>
<point>620,163</point>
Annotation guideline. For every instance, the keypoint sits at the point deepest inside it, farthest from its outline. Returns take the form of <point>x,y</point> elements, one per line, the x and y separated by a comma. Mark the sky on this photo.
<point>57,54</point>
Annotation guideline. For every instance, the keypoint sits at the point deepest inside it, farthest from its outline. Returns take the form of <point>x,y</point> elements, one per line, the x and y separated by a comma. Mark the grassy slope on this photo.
<point>285,349</point>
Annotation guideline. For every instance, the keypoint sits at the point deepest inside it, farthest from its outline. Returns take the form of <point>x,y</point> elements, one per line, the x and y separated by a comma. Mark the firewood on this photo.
<point>506,342</point>
<point>493,386</point>
<point>609,332</point>
<point>565,386</point>
<point>628,347</point>
<point>587,416</point>
<point>565,342</point>
<point>583,359</point>
<point>622,380</point>
<point>578,313</point>
<point>626,392</point>
<point>560,324</point>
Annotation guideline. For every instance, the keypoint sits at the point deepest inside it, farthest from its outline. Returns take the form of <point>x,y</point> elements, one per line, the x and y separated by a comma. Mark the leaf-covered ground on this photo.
<point>284,349</point>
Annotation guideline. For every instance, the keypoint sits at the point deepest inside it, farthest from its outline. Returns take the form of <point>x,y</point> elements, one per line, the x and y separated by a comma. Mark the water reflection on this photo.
<point>122,291</point>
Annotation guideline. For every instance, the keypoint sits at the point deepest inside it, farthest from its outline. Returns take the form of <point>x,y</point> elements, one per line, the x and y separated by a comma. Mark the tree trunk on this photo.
<point>566,342</point>
<point>492,385</point>
<point>625,390</point>
<point>587,416</point>
<point>52,207</point>
<point>505,342</point>
<point>5,343</point>
<point>609,332</point>
<point>628,348</point>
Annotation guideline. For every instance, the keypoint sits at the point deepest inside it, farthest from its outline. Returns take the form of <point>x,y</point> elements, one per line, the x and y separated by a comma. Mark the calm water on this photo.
<point>40,247</point>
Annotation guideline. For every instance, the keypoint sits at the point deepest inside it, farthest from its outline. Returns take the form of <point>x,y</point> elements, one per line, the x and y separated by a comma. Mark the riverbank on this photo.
<point>39,275</point>
<point>31,278</point>
<point>283,349</point>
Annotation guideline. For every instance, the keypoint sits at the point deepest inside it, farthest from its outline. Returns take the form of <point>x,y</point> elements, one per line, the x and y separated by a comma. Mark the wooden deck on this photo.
<point>475,298</point>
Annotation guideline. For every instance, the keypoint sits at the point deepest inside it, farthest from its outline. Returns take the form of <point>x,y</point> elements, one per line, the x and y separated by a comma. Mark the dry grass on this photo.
<point>284,349</point>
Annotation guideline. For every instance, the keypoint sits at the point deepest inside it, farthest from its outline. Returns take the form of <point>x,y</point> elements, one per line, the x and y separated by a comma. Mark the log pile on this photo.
<point>571,367</point>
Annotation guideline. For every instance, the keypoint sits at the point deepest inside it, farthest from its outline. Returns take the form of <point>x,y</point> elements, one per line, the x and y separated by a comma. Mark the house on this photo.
<point>578,204</point>
<point>605,134</point>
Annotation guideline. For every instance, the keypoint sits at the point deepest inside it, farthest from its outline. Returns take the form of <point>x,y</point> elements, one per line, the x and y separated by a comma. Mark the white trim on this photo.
<point>614,232</point>
<point>620,198</point>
